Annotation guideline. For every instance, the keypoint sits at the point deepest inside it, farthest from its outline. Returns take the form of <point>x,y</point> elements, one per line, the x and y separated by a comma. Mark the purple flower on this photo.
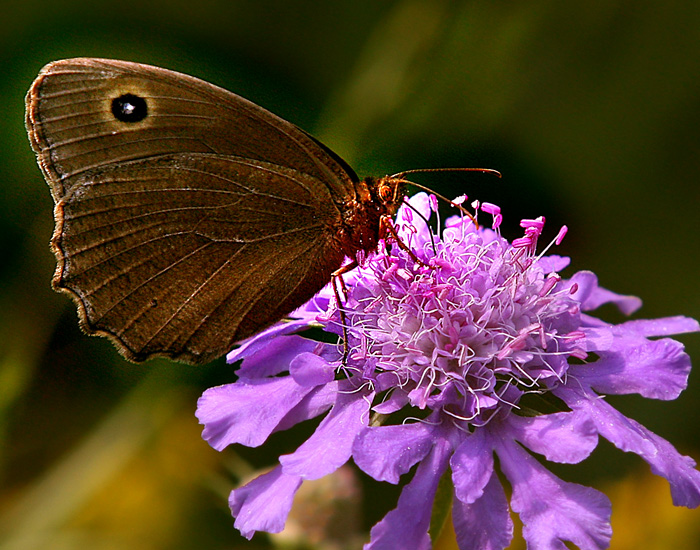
<point>450,360</point>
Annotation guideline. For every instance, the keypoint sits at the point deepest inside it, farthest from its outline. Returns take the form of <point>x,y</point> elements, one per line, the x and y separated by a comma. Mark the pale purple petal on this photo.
<point>598,339</point>
<point>273,357</point>
<point>308,369</point>
<point>656,369</point>
<point>626,304</point>
<point>419,201</point>
<point>552,510</point>
<point>665,326</point>
<point>567,437</point>
<point>406,526</point>
<point>298,320</point>
<point>485,524</point>
<point>415,234</point>
<point>678,469</point>
<point>583,283</point>
<point>388,452</point>
<point>630,436</point>
<point>255,343</point>
<point>233,413</point>
<point>592,296</point>
<point>330,446</point>
<point>472,466</point>
<point>590,321</point>
<point>315,403</point>
<point>553,263</point>
<point>264,503</point>
<point>396,401</point>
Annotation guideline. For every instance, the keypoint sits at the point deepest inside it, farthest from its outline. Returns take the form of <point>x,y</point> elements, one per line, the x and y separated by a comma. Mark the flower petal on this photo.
<point>552,510</point>
<point>485,524</point>
<point>656,369</point>
<point>308,369</point>
<point>330,446</point>
<point>397,400</point>
<point>264,503</point>
<point>274,357</point>
<point>388,452</point>
<point>664,326</point>
<point>261,340</point>
<point>553,263</point>
<point>315,403</point>
<point>592,296</point>
<point>414,233</point>
<point>406,526</point>
<point>630,436</point>
<point>233,413</point>
<point>598,339</point>
<point>567,437</point>
<point>472,466</point>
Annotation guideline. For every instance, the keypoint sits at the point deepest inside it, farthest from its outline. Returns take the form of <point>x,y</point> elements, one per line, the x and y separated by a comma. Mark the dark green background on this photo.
<point>590,110</point>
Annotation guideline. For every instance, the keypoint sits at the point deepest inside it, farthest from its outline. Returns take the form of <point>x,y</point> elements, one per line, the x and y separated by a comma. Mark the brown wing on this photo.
<point>72,127</point>
<point>192,227</point>
<point>183,255</point>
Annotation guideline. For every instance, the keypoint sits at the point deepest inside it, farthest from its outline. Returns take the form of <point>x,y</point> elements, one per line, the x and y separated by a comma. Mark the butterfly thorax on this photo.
<point>374,198</point>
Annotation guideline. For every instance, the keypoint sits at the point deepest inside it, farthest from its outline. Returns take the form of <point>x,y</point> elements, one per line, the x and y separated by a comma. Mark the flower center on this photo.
<point>468,336</point>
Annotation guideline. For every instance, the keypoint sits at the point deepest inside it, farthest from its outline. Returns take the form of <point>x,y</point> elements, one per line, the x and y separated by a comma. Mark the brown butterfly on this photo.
<point>188,218</point>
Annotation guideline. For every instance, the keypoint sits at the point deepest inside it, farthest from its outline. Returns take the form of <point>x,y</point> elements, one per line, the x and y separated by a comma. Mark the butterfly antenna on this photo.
<point>401,177</point>
<point>462,169</point>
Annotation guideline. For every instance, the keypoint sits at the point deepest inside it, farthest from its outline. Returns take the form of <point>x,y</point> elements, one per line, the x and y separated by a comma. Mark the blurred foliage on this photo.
<point>590,110</point>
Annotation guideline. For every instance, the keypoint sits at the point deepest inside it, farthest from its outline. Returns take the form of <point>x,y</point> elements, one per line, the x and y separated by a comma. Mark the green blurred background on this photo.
<point>590,110</point>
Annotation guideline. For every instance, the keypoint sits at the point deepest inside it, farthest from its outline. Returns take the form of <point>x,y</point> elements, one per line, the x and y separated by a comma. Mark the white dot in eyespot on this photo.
<point>129,108</point>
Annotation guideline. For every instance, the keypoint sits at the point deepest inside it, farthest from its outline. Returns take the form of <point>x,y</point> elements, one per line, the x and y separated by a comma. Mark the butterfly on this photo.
<point>188,218</point>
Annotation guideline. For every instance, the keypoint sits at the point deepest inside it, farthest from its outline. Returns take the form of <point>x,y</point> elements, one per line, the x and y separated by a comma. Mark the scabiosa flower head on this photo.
<point>449,361</point>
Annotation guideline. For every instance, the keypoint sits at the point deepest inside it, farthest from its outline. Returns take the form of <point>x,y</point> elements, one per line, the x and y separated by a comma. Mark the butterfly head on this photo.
<point>390,192</point>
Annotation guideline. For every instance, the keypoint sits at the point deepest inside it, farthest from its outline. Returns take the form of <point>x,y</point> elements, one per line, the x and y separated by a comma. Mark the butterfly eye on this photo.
<point>129,108</point>
<point>385,193</point>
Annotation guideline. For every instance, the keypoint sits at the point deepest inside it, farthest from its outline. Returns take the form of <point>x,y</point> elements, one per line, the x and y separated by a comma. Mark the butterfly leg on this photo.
<point>337,280</point>
<point>386,227</point>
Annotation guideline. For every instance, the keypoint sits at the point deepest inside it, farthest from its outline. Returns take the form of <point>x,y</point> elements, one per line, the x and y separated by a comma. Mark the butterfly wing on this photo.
<point>175,235</point>
<point>182,255</point>
<point>73,129</point>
